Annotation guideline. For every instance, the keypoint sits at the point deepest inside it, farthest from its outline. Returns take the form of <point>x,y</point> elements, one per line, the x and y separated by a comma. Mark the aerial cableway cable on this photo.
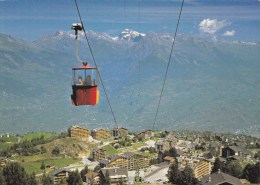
<point>86,37</point>
<point>139,48</point>
<point>139,57</point>
<point>168,64</point>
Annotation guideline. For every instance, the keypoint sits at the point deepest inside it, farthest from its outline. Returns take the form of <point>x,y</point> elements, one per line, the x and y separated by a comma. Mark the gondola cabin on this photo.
<point>85,86</point>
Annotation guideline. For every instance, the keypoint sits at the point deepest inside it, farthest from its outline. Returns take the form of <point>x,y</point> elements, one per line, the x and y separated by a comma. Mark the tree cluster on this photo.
<point>185,177</point>
<point>14,174</point>
<point>124,142</point>
<point>55,150</point>
<point>233,168</point>
<point>74,178</point>
<point>172,152</point>
<point>252,173</point>
<point>26,148</point>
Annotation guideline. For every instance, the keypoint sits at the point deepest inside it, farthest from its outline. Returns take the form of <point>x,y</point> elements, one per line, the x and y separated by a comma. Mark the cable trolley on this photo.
<point>84,79</point>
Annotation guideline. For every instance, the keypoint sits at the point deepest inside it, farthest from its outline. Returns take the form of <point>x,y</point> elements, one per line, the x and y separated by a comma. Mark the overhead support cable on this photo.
<point>168,64</point>
<point>86,37</point>
<point>139,45</point>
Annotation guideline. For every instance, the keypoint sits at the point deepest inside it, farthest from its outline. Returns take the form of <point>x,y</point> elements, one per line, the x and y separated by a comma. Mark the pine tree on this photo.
<point>83,172</point>
<point>174,175</point>
<point>107,178</point>
<point>42,165</point>
<point>247,171</point>
<point>234,169</point>
<point>251,173</point>
<point>188,177</point>
<point>137,175</point>
<point>31,180</point>
<point>46,180</point>
<point>2,178</point>
<point>15,174</point>
<point>218,165</point>
<point>173,152</point>
<point>74,178</point>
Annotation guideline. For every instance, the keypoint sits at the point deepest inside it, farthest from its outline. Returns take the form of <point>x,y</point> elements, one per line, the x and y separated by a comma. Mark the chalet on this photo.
<point>3,161</point>
<point>6,135</point>
<point>78,132</point>
<point>92,178</point>
<point>119,132</point>
<point>165,144</point>
<point>220,178</point>
<point>100,134</point>
<point>117,175</point>
<point>60,175</point>
<point>189,138</point>
<point>237,151</point>
<point>159,145</point>
<point>169,159</point>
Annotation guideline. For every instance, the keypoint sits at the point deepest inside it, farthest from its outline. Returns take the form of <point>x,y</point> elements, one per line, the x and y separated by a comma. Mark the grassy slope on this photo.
<point>110,150</point>
<point>34,135</point>
<point>34,166</point>
<point>70,151</point>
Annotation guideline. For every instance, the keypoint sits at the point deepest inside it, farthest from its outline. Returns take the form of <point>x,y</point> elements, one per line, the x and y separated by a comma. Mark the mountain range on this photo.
<point>210,85</point>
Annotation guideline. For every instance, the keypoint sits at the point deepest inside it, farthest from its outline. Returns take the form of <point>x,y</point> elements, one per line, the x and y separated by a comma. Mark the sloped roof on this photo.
<point>115,171</point>
<point>240,149</point>
<point>53,173</point>
<point>128,154</point>
<point>98,148</point>
<point>77,126</point>
<point>104,161</point>
<point>168,158</point>
<point>219,178</point>
<point>114,157</point>
<point>91,175</point>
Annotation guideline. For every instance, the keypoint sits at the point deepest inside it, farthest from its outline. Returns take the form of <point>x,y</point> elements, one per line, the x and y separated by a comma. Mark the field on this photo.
<point>32,163</point>
<point>34,166</point>
<point>34,135</point>
<point>110,150</point>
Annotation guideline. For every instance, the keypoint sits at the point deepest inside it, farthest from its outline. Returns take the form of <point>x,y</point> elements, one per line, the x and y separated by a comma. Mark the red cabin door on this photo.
<point>85,95</point>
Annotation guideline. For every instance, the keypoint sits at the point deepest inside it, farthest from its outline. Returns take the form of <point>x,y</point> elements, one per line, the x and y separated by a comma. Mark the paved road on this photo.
<point>157,173</point>
<point>156,170</point>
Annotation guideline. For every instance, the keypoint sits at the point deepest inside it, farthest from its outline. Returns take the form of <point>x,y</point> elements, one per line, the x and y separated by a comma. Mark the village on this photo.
<point>145,157</point>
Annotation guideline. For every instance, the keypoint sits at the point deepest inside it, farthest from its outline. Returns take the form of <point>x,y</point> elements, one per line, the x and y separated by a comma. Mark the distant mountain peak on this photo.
<point>130,35</point>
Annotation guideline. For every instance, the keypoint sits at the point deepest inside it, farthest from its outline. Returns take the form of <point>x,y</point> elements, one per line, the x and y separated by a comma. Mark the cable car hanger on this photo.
<point>77,27</point>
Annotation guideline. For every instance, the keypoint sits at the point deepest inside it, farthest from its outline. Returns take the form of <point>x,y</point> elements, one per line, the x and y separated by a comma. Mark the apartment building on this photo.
<point>200,166</point>
<point>100,134</point>
<point>99,153</point>
<point>129,160</point>
<point>78,132</point>
<point>119,132</point>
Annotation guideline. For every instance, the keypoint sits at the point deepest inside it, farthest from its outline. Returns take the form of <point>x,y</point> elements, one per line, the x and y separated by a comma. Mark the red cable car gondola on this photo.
<point>85,79</point>
<point>85,86</point>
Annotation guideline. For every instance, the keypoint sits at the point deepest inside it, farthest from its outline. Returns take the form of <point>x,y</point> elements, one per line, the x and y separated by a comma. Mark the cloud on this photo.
<point>229,33</point>
<point>212,26</point>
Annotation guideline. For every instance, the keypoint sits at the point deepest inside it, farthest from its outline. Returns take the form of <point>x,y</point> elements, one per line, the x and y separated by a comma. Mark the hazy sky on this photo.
<point>220,19</point>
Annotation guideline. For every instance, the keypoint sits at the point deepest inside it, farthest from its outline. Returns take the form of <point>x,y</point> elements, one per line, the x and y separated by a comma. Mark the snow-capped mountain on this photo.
<point>130,35</point>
